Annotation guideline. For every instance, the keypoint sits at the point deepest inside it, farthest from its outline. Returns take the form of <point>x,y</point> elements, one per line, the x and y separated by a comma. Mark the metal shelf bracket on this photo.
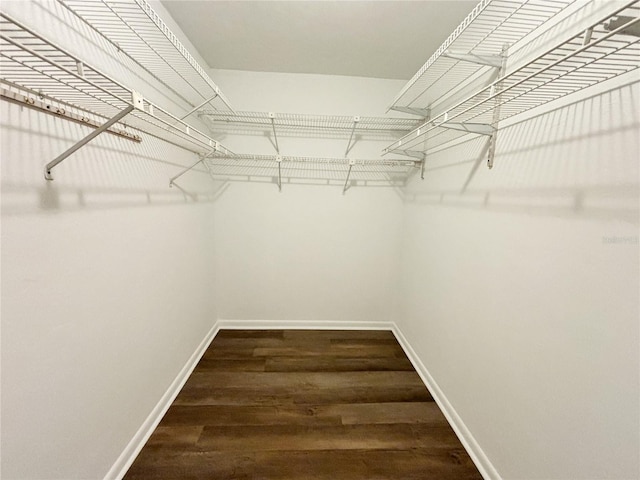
<point>421,112</point>
<point>279,162</point>
<point>356,119</point>
<point>479,128</point>
<point>494,61</point>
<point>633,27</point>
<point>137,103</point>
<point>346,182</point>
<point>272,117</point>
<point>202,159</point>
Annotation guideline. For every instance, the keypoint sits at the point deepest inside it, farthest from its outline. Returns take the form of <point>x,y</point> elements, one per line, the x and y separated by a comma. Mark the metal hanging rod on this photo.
<point>566,68</point>
<point>136,30</point>
<point>475,44</point>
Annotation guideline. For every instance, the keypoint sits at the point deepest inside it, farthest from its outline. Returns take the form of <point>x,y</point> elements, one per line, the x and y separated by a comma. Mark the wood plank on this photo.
<point>337,350</point>
<point>336,364</point>
<point>231,365</point>
<point>341,437</point>
<point>204,395</point>
<point>414,464</point>
<point>378,413</point>
<point>304,380</point>
<point>229,415</point>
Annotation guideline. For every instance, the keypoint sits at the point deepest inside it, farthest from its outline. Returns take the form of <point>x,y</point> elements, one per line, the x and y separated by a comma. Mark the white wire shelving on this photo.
<point>478,43</point>
<point>34,64</point>
<point>606,49</point>
<point>323,126</point>
<point>139,32</point>
<point>283,169</point>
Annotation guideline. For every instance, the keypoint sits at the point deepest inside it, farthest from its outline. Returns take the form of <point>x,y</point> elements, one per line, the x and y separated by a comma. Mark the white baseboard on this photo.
<point>303,325</point>
<point>480,459</point>
<point>138,441</point>
<point>131,451</point>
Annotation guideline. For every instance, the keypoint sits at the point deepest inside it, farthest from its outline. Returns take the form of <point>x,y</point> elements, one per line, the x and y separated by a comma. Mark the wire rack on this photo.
<point>297,121</point>
<point>484,33</point>
<point>605,50</point>
<point>30,61</point>
<point>311,170</point>
<point>137,30</point>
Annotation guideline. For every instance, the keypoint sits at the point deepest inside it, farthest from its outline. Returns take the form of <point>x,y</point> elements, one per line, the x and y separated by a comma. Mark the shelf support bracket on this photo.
<point>195,109</point>
<point>279,162</point>
<point>421,112</point>
<point>410,153</point>
<point>494,61</point>
<point>60,158</point>
<point>200,160</point>
<point>346,182</point>
<point>479,128</point>
<point>493,138</point>
<point>632,29</point>
<point>353,129</point>
<point>272,116</point>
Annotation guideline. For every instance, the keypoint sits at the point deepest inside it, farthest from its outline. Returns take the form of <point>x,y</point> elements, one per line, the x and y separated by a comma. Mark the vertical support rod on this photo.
<point>198,107</point>
<point>185,171</point>
<point>353,129</point>
<point>60,158</point>
<point>279,162</point>
<point>424,160</point>
<point>273,126</point>
<point>496,111</point>
<point>346,182</point>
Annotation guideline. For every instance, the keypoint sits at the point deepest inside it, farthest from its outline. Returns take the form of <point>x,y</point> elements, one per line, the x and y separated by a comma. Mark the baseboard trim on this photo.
<point>480,459</point>
<point>303,325</point>
<point>131,451</point>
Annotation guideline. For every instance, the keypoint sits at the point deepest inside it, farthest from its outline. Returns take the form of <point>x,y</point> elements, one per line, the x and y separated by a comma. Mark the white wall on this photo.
<point>107,281</point>
<point>521,287</point>
<point>308,253</point>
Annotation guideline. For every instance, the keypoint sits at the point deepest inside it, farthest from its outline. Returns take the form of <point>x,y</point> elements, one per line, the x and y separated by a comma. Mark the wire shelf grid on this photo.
<point>30,61</point>
<point>576,64</point>
<point>491,25</point>
<point>137,30</point>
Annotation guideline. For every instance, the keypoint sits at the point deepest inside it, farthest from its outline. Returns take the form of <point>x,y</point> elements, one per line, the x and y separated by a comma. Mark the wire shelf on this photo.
<point>321,171</point>
<point>601,52</point>
<point>491,26</point>
<point>137,30</point>
<point>30,61</point>
<point>297,121</point>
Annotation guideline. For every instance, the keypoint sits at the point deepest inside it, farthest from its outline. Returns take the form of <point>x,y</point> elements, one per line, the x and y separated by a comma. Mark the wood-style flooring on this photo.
<point>300,404</point>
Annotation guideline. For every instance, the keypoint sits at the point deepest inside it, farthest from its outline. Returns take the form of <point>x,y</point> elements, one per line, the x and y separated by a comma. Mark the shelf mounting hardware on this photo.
<point>633,27</point>
<point>195,109</point>
<point>279,162</point>
<point>421,112</point>
<point>137,103</point>
<point>202,159</point>
<point>493,138</point>
<point>356,119</point>
<point>488,60</point>
<point>479,128</point>
<point>346,182</point>
<point>272,117</point>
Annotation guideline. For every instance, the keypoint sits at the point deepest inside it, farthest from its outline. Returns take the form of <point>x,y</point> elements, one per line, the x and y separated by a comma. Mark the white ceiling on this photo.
<point>383,39</point>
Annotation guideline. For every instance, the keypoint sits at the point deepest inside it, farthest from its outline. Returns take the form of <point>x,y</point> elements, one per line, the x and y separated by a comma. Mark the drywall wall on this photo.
<point>107,280</point>
<point>521,286</point>
<point>309,252</point>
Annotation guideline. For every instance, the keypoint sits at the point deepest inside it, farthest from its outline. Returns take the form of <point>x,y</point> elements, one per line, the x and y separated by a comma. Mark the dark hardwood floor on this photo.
<point>298,404</point>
